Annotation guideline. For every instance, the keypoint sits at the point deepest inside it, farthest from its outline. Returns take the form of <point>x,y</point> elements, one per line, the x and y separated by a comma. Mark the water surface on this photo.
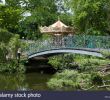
<point>29,81</point>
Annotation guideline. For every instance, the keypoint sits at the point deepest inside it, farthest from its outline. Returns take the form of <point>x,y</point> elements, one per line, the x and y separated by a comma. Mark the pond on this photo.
<point>29,81</point>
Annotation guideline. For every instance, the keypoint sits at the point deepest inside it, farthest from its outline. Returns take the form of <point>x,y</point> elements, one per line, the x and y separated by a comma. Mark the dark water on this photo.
<point>29,81</point>
<point>32,81</point>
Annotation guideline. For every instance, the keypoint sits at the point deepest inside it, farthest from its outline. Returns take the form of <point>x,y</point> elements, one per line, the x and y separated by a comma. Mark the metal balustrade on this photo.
<point>70,42</point>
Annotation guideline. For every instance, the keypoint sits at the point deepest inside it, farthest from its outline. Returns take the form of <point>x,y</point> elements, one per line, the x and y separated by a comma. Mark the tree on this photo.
<point>10,15</point>
<point>4,39</point>
<point>43,12</point>
<point>90,16</point>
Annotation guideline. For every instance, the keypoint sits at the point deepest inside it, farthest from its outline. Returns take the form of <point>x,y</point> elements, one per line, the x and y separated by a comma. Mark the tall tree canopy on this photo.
<point>90,16</point>
<point>42,12</point>
<point>10,15</point>
<point>14,16</point>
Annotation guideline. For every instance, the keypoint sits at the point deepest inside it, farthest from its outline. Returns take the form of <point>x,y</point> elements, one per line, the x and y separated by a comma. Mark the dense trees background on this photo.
<point>24,17</point>
<point>90,16</point>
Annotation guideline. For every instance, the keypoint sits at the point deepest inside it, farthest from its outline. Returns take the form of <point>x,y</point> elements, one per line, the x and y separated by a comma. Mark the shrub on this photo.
<point>5,36</point>
<point>56,62</point>
<point>8,47</point>
<point>96,79</point>
<point>62,62</point>
<point>106,53</point>
<point>74,80</point>
<point>77,62</point>
<point>64,79</point>
<point>90,64</point>
<point>71,79</point>
<point>12,67</point>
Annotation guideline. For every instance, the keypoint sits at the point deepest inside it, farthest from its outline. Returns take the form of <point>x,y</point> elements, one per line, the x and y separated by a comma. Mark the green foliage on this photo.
<point>43,12</point>
<point>90,63</point>
<point>14,16</point>
<point>106,53</point>
<point>9,44</point>
<point>63,80</point>
<point>82,63</point>
<point>96,79</point>
<point>55,62</point>
<point>5,36</point>
<point>90,16</point>
<point>4,39</point>
<point>21,68</point>
<point>61,62</point>
<point>84,77</point>
<point>10,17</point>
<point>16,43</point>
<point>12,67</point>
<point>66,18</point>
<point>3,52</point>
<point>74,80</point>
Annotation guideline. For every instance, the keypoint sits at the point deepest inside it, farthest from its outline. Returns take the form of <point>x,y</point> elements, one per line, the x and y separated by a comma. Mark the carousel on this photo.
<point>58,30</point>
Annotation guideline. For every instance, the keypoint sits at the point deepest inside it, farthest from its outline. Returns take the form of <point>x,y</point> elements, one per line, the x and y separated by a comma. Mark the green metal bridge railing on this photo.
<point>69,42</point>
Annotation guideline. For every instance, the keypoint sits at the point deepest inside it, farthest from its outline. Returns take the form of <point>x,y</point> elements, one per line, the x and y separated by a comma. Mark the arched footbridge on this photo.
<point>78,44</point>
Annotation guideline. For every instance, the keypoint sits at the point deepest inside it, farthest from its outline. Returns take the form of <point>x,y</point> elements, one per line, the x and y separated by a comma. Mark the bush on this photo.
<point>62,62</point>
<point>8,47</point>
<point>73,80</point>
<point>70,79</point>
<point>106,53</point>
<point>12,67</point>
<point>56,62</point>
<point>96,79</point>
<point>89,64</point>
<point>5,36</point>
<point>3,52</point>
<point>78,62</point>
<point>4,39</point>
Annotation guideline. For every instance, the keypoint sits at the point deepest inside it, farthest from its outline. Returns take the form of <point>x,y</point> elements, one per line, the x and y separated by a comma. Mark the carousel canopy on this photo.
<point>57,28</point>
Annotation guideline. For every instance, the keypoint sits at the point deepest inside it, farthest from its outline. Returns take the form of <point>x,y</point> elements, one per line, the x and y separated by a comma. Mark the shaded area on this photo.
<point>30,81</point>
<point>39,64</point>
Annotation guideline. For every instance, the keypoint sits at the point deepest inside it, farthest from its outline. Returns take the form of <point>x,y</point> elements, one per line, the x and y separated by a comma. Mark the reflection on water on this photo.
<point>32,81</point>
<point>29,81</point>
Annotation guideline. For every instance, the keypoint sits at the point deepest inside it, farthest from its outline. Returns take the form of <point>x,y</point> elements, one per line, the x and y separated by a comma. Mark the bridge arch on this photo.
<point>75,51</point>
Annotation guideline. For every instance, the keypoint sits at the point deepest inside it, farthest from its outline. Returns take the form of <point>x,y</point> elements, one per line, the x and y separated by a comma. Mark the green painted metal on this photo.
<point>72,42</point>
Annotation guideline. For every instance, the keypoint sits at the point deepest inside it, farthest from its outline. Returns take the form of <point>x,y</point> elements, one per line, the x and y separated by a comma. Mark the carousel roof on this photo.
<point>58,24</point>
<point>57,27</point>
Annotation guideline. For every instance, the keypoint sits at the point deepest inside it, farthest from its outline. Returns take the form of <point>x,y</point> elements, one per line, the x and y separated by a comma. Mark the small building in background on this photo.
<point>58,30</point>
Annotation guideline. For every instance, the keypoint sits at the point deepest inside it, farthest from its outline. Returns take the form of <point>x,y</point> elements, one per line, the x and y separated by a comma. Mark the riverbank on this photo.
<point>77,72</point>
